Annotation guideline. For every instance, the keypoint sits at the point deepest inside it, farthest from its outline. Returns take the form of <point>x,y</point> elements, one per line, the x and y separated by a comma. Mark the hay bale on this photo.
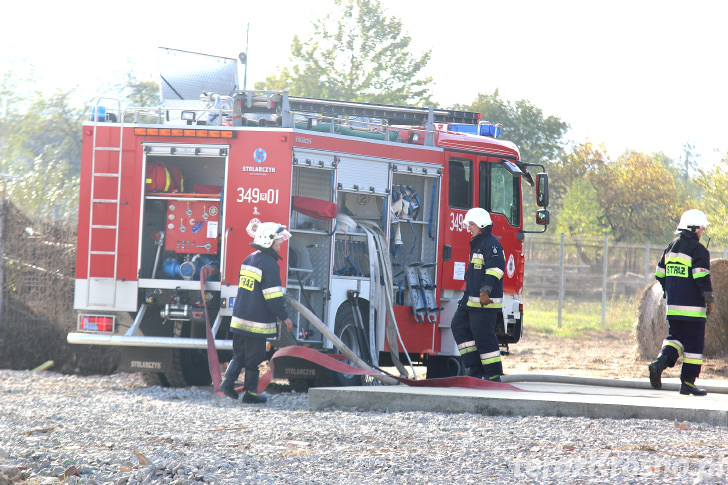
<point>651,325</point>
<point>716,327</point>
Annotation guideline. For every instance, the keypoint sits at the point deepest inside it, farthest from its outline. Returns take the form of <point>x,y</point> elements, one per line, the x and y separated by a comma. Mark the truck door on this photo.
<point>499,192</point>
<point>458,199</point>
<point>479,181</point>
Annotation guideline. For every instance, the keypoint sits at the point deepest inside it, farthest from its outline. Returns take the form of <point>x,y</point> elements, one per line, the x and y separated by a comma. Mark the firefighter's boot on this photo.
<point>231,374</point>
<point>253,398</point>
<point>478,372</point>
<point>656,368</point>
<point>687,386</point>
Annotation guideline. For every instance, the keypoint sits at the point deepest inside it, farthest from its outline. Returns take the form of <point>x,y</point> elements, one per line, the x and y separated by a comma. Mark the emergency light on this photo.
<point>184,132</point>
<point>98,113</point>
<point>481,129</point>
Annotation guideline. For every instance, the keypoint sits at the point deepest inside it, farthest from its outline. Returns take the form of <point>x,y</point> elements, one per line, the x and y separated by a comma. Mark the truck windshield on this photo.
<point>504,194</point>
<point>499,192</point>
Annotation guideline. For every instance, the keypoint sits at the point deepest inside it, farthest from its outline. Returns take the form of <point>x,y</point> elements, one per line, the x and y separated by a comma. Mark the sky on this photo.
<point>638,75</point>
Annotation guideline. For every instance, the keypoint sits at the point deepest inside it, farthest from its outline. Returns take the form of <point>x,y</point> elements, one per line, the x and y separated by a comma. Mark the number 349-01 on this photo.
<point>254,195</point>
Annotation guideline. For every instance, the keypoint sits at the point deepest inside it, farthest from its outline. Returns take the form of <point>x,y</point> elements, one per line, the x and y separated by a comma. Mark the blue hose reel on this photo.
<point>173,268</point>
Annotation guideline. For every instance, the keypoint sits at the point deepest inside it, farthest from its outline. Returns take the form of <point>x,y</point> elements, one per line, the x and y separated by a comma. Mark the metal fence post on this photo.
<point>561,280</point>
<point>647,264</point>
<point>604,280</point>
<point>3,209</point>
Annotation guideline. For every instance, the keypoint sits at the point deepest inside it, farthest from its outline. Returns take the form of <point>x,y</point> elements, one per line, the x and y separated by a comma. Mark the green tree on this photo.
<point>639,197</point>
<point>139,93</point>
<point>357,53</point>
<point>540,139</point>
<point>581,217</point>
<point>32,125</point>
<point>49,190</point>
<point>585,160</point>
<point>40,144</point>
<point>714,201</point>
<point>581,212</point>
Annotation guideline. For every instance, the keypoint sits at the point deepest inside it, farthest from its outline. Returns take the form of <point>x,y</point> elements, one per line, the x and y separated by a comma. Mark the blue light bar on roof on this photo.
<point>482,129</point>
<point>486,129</point>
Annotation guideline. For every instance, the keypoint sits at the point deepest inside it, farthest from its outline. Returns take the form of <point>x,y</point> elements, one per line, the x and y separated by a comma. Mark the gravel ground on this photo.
<point>70,429</point>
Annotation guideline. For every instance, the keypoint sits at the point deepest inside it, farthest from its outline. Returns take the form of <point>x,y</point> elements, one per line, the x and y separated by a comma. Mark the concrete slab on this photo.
<point>538,399</point>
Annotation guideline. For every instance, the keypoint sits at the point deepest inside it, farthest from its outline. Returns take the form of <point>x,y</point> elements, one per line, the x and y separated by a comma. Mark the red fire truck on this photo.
<point>374,198</point>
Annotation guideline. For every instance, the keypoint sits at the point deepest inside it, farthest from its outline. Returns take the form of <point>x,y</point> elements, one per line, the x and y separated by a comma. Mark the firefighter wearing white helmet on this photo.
<point>473,325</point>
<point>258,306</point>
<point>684,274</point>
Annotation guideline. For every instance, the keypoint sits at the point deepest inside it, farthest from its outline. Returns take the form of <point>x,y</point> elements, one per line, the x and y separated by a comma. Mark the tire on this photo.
<point>189,366</point>
<point>154,379</point>
<point>195,368</point>
<point>442,366</point>
<point>345,329</point>
<point>300,385</point>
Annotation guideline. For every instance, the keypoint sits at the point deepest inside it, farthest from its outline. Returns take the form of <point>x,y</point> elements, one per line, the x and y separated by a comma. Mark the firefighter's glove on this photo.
<point>485,299</point>
<point>709,302</point>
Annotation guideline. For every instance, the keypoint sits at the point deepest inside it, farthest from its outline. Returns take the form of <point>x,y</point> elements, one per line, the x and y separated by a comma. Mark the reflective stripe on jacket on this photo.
<point>259,302</point>
<point>486,265</point>
<point>684,273</point>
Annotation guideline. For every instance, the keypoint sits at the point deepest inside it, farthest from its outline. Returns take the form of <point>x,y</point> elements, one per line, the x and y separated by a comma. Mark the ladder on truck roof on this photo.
<point>395,115</point>
<point>96,231</point>
<point>281,103</point>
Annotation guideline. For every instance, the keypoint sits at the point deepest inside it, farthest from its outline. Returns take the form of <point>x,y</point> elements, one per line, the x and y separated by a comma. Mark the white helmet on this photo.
<point>267,232</point>
<point>692,220</point>
<point>477,216</point>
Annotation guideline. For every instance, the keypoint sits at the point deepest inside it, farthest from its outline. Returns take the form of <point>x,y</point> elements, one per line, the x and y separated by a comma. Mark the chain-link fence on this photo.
<point>588,268</point>
<point>36,313</point>
<point>37,274</point>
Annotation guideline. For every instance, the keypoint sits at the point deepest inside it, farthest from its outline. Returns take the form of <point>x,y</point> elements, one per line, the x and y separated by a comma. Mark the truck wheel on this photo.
<point>300,385</point>
<point>175,376</point>
<point>154,379</point>
<point>439,366</point>
<point>190,367</point>
<point>345,329</point>
<point>195,367</point>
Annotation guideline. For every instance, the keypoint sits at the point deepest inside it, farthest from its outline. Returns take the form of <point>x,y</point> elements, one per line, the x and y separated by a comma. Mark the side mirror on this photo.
<point>542,190</point>
<point>512,168</point>
<point>542,217</point>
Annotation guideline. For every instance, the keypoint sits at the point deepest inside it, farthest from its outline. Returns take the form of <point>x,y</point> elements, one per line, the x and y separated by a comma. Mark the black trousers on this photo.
<point>250,352</point>
<point>474,332</point>
<point>685,339</point>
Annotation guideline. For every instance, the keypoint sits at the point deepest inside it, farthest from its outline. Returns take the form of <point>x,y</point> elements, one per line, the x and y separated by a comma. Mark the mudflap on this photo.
<point>298,369</point>
<point>508,332</point>
<point>146,359</point>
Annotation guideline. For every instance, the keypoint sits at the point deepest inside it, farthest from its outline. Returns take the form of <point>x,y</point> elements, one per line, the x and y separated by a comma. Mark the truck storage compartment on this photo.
<point>181,227</point>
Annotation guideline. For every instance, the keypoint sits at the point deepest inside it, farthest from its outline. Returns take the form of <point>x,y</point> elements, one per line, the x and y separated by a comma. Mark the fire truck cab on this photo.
<point>374,198</point>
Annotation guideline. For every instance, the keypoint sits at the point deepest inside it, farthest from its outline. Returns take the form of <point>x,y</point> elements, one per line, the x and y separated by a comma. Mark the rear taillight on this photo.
<point>96,323</point>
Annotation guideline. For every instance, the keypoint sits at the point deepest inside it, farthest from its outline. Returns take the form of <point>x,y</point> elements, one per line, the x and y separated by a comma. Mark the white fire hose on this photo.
<point>595,381</point>
<point>311,317</point>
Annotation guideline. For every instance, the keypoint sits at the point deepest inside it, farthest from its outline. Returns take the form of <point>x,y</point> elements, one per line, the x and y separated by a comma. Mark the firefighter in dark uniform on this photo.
<point>684,273</point>
<point>473,325</point>
<point>258,306</point>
